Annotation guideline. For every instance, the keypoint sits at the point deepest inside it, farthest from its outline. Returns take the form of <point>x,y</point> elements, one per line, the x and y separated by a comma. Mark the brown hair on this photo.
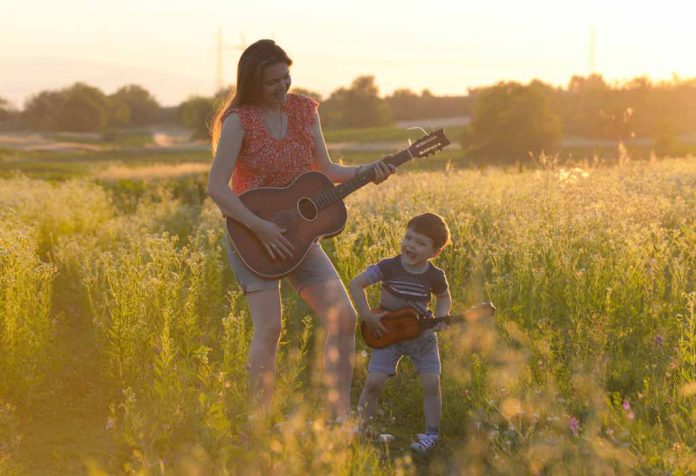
<point>433,226</point>
<point>254,60</point>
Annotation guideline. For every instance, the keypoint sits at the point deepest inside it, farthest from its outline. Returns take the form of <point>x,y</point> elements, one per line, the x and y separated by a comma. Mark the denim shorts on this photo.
<point>315,268</point>
<point>423,352</point>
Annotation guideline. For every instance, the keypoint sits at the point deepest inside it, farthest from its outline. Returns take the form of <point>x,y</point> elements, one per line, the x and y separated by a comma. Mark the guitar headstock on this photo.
<point>429,144</point>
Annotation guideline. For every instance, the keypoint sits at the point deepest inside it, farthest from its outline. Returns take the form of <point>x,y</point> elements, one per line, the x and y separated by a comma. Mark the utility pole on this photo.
<point>220,51</point>
<point>592,50</point>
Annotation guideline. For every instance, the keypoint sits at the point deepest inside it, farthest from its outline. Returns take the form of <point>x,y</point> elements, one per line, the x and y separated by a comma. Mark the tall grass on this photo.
<point>25,300</point>
<point>589,367</point>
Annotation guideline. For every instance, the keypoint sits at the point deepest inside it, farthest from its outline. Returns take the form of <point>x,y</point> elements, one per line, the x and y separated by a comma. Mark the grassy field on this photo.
<point>124,334</point>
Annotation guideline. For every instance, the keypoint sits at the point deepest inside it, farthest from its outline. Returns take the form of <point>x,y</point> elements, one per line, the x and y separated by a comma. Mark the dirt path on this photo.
<point>65,427</point>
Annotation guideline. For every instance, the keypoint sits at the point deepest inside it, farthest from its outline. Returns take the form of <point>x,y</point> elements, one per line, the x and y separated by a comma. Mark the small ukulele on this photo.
<point>406,324</point>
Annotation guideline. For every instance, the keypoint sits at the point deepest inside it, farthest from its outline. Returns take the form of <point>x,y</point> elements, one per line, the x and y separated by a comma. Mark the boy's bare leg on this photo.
<point>374,384</point>
<point>432,401</point>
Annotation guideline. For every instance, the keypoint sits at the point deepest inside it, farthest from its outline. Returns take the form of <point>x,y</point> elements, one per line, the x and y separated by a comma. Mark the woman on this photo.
<point>263,136</point>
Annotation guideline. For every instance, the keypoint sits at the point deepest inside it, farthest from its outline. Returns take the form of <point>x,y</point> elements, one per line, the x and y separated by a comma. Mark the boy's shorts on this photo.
<point>423,352</point>
<point>315,268</point>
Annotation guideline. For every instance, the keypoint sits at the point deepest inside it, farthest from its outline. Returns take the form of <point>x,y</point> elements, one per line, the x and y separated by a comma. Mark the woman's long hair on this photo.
<point>252,63</point>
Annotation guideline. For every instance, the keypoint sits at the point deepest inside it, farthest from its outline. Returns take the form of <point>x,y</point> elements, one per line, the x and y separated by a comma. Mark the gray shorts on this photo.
<point>422,351</point>
<point>315,268</point>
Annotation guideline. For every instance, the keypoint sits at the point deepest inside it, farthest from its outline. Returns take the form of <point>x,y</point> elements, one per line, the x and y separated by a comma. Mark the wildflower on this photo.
<point>658,340</point>
<point>626,405</point>
<point>110,422</point>
<point>574,426</point>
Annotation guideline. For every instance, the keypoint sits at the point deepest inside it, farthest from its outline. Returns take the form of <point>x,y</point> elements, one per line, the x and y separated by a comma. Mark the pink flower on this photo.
<point>627,407</point>
<point>110,422</point>
<point>574,425</point>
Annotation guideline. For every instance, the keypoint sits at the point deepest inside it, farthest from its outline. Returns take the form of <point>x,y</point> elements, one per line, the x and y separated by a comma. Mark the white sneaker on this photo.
<point>424,443</point>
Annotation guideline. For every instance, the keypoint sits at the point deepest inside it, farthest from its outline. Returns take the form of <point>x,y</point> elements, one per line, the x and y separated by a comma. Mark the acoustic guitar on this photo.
<point>310,208</point>
<point>406,324</point>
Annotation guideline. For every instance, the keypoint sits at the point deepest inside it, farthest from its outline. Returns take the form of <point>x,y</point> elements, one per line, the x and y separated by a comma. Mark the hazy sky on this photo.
<point>445,46</point>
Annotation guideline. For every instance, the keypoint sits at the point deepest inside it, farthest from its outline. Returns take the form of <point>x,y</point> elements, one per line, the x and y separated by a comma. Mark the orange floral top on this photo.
<point>265,161</point>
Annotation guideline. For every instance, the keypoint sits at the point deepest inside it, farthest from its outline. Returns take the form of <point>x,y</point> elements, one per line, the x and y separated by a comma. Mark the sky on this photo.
<point>169,47</point>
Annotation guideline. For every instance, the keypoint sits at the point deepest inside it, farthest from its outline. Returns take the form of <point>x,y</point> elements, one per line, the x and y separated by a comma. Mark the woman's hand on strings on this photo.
<point>271,236</point>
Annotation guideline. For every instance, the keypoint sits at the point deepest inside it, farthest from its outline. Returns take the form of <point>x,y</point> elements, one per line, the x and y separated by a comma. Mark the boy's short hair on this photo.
<point>433,226</point>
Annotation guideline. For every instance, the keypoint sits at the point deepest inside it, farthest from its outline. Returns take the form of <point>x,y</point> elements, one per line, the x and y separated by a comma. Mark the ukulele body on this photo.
<point>402,324</point>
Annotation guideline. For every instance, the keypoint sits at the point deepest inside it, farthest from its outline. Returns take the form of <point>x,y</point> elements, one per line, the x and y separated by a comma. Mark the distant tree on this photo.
<point>306,92</point>
<point>404,104</point>
<point>357,106</point>
<point>142,105</point>
<point>197,114</point>
<point>42,110</point>
<point>585,110</point>
<point>223,96</point>
<point>85,109</point>
<point>9,115</point>
<point>510,121</point>
<point>6,109</point>
<point>118,112</point>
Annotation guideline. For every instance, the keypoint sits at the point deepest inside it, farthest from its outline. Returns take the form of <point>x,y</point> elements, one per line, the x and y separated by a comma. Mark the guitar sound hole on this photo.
<point>308,209</point>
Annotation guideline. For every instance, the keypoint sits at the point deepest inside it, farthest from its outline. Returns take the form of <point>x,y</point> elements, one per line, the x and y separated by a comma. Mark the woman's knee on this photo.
<point>348,320</point>
<point>265,310</point>
<point>340,320</point>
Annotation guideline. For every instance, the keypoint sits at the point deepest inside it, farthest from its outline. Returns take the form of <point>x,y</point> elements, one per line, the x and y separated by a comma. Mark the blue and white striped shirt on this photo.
<point>400,288</point>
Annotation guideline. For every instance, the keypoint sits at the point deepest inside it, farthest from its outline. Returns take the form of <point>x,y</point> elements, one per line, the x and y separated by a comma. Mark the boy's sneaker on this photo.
<point>424,443</point>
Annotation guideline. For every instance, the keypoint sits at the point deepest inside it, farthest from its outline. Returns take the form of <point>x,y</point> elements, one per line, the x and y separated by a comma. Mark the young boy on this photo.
<point>408,279</point>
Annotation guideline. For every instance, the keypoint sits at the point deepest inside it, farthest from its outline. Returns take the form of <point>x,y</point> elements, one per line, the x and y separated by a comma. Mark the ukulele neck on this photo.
<point>430,322</point>
<point>480,312</point>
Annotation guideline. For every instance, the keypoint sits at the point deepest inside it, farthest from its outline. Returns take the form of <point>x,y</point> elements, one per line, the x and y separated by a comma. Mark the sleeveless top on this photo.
<point>265,161</point>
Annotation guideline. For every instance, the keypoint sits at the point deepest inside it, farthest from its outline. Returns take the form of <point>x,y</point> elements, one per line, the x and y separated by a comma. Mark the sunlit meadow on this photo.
<point>124,335</point>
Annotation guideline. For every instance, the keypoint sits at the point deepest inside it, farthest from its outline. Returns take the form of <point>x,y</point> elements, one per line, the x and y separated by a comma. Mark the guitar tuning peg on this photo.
<point>418,129</point>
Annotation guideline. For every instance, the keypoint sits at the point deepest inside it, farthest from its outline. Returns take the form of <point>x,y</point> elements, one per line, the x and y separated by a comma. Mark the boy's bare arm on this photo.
<point>357,291</point>
<point>443,304</point>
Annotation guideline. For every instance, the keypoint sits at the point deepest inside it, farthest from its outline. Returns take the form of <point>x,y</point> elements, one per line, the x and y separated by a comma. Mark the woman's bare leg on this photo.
<point>329,300</point>
<point>265,309</point>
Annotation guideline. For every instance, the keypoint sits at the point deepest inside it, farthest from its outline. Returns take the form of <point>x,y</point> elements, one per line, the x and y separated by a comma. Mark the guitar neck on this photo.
<point>339,192</point>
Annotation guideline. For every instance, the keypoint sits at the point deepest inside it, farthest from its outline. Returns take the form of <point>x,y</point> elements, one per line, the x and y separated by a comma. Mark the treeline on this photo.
<point>533,116</point>
<point>510,121</point>
<point>84,108</point>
